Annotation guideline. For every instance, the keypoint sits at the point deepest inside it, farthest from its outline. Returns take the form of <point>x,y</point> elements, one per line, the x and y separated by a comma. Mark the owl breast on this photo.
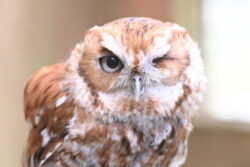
<point>133,135</point>
<point>120,143</point>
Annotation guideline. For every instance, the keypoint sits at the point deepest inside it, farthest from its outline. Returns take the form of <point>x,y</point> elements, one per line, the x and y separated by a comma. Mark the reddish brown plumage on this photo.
<point>40,94</point>
<point>81,115</point>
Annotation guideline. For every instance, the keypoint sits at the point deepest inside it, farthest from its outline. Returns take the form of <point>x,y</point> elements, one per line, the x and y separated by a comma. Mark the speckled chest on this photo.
<point>134,140</point>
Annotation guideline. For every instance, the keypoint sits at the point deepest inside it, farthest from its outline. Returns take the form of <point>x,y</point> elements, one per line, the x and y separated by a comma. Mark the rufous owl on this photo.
<point>124,98</point>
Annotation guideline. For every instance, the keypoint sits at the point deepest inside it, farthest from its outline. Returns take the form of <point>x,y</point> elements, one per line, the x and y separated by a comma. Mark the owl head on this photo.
<point>141,59</point>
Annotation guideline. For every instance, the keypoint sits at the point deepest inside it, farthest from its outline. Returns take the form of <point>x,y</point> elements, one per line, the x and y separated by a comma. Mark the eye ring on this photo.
<point>110,63</point>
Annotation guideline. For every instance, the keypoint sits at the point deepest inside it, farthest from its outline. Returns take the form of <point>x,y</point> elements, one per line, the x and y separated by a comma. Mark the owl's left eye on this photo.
<point>160,59</point>
<point>110,63</point>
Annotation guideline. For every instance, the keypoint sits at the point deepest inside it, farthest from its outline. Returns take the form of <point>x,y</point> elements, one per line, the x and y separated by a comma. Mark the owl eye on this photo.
<point>110,63</point>
<point>160,59</point>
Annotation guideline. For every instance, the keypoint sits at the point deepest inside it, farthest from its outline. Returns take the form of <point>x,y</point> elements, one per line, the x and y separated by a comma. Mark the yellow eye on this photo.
<point>110,63</point>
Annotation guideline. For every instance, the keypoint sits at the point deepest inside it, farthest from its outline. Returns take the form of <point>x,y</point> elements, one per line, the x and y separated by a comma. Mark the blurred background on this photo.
<point>34,34</point>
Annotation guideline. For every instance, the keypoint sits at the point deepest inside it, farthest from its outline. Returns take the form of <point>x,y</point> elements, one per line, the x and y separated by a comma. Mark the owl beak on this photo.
<point>137,86</point>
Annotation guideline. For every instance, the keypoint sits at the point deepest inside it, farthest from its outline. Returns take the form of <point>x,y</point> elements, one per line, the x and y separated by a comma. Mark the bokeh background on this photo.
<point>34,34</point>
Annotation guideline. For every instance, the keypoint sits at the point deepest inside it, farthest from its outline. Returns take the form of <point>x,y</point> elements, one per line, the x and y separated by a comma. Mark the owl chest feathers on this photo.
<point>133,132</point>
<point>129,141</point>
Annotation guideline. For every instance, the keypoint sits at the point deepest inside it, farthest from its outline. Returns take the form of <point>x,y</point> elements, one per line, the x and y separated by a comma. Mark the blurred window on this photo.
<point>226,34</point>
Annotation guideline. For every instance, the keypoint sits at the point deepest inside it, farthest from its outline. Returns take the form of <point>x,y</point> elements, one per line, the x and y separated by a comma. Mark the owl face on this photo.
<point>132,56</point>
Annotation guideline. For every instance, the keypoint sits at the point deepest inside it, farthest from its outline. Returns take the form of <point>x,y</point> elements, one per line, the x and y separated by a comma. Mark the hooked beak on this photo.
<point>137,86</point>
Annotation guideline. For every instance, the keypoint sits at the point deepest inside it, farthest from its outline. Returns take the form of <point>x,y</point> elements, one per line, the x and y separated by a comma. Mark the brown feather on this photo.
<point>40,95</point>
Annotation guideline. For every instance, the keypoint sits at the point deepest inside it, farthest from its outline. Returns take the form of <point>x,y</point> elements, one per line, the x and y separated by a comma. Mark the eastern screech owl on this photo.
<point>124,98</point>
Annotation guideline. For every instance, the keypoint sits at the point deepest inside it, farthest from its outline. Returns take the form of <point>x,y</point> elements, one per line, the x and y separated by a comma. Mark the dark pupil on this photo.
<point>113,61</point>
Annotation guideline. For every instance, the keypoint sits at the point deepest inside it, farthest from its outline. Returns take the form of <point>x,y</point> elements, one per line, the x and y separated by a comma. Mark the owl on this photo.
<point>124,98</point>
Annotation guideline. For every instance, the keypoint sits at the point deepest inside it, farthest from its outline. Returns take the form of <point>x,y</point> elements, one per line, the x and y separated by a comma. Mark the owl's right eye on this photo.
<point>110,63</point>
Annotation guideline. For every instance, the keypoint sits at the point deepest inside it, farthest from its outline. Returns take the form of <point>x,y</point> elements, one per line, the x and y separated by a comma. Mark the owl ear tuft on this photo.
<point>93,34</point>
